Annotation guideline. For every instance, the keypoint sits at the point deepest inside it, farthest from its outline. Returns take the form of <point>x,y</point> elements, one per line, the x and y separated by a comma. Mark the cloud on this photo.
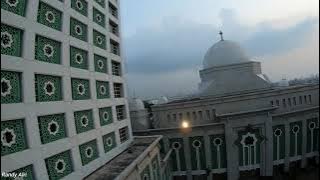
<point>166,59</point>
<point>299,62</point>
<point>177,83</point>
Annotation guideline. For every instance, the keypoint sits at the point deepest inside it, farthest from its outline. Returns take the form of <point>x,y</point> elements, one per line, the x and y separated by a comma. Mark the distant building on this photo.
<point>64,111</point>
<point>239,124</point>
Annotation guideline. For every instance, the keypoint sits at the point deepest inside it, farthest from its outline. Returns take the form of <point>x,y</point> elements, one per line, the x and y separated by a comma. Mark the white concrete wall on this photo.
<point>29,109</point>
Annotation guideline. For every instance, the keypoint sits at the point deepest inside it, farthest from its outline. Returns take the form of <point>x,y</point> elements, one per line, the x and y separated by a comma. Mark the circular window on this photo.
<point>60,166</point>
<point>79,5</point>
<point>196,144</point>
<point>312,125</point>
<point>217,141</point>
<point>100,64</point>
<point>102,90</point>
<point>48,50</point>
<point>53,127</point>
<point>176,145</point>
<point>49,88</point>
<point>50,17</point>
<point>12,3</point>
<point>277,132</point>
<point>6,39</point>
<point>81,90</point>
<point>105,116</point>
<point>99,40</point>
<point>248,140</point>
<point>89,152</point>
<point>5,87</point>
<point>295,129</point>
<point>109,142</point>
<point>84,121</point>
<point>98,17</point>
<point>78,58</point>
<point>8,137</point>
<point>78,29</point>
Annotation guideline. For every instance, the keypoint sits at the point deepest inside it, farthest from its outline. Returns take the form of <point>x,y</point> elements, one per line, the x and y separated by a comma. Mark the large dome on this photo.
<point>136,104</point>
<point>224,52</point>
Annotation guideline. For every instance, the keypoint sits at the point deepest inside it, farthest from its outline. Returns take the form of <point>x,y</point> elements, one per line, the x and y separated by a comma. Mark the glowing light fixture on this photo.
<point>185,124</point>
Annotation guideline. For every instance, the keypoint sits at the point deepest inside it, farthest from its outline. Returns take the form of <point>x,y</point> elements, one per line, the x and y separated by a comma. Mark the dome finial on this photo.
<point>221,35</point>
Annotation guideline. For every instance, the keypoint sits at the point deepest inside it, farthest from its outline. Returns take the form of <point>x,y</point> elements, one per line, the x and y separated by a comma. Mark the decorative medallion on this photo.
<point>102,90</point>
<point>78,58</point>
<point>89,152</point>
<point>81,89</point>
<point>12,3</point>
<point>50,17</point>
<point>5,87</point>
<point>8,137</point>
<point>78,29</point>
<point>53,127</point>
<point>79,5</point>
<point>99,40</point>
<point>49,88</point>
<point>84,121</point>
<point>60,166</point>
<point>6,39</point>
<point>48,50</point>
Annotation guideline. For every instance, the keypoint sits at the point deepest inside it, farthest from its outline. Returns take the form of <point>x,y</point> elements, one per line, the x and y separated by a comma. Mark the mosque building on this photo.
<point>239,124</point>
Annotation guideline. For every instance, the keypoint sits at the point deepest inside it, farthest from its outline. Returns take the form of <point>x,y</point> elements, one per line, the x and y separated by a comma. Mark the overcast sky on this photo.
<point>164,41</point>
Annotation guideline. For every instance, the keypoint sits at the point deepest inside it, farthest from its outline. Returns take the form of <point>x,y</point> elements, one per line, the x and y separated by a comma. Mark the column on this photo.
<point>232,154</point>
<point>287,146</point>
<point>208,153</point>
<point>187,155</point>
<point>268,147</point>
<point>304,144</point>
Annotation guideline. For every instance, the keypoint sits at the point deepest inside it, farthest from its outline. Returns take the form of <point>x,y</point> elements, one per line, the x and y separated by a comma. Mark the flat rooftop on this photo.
<point>118,164</point>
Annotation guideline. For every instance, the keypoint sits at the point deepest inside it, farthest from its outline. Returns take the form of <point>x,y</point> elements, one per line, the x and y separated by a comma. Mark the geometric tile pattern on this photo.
<point>47,50</point>
<point>78,58</point>
<point>52,127</point>
<point>14,6</point>
<point>48,88</point>
<point>109,141</point>
<point>99,39</point>
<point>80,89</point>
<point>102,3</point>
<point>46,29</point>
<point>105,115</point>
<point>11,90</point>
<point>88,152</point>
<point>81,6</point>
<point>78,29</point>
<point>100,64</point>
<point>13,137</point>
<point>25,172</point>
<point>102,88</point>
<point>49,16</point>
<point>98,17</point>
<point>11,40</point>
<point>59,165</point>
<point>83,121</point>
